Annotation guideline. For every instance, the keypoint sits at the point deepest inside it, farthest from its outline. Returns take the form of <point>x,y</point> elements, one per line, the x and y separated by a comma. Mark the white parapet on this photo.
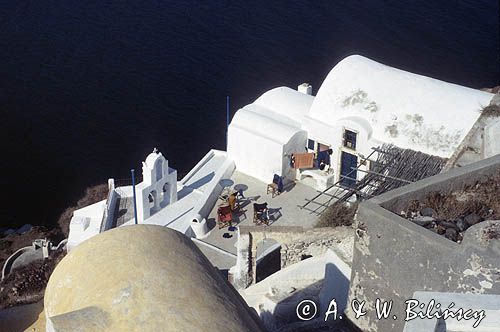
<point>492,138</point>
<point>85,223</point>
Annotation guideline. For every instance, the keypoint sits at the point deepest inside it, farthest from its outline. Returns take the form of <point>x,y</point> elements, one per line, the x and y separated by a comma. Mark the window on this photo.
<point>310,144</point>
<point>350,139</point>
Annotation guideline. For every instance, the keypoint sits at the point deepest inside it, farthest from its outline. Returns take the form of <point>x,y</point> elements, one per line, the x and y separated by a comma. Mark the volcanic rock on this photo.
<point>472,219</point>
<point>452,234</point>
<point>448,224</point>
<point>427,212</point>
<point>423,221</point>
<point>461,224</point>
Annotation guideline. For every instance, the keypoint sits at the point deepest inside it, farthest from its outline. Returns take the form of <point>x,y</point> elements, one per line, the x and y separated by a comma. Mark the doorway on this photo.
<point>268,260</point>
<point>348,175</point>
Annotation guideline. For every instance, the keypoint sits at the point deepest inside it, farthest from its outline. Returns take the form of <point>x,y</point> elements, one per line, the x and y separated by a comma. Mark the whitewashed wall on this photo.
<point>254,155</point>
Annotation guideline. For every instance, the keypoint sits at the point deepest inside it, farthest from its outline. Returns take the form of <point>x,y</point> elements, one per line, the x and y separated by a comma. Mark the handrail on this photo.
<point>10,260</point>
<point>62,243</point>
<point>127,181</point>
<point>105,216</point>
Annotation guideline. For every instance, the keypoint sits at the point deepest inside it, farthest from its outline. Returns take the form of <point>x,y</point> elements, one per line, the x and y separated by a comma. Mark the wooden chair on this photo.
<point>276,187</point>
<point>273,189</point>
<point>234,202</point>
<point>260,214</point>
<point>224,216</point>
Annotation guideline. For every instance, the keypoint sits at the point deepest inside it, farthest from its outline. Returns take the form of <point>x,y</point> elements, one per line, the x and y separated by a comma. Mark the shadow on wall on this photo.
<point>285,311</point>
<point>335,285</point>
<point>201,182</point>
<point>184,192</point>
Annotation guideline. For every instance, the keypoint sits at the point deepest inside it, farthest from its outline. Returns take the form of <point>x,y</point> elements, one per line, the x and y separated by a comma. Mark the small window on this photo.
<point>310,144</point>
<point>350,139</point>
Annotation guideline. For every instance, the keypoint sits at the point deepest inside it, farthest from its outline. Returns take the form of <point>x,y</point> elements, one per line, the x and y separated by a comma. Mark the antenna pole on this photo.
<point>133,190</point>
<point>227,120</point>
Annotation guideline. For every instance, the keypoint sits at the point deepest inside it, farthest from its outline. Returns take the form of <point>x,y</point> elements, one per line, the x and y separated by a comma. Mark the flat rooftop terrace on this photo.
<point>220,244</point>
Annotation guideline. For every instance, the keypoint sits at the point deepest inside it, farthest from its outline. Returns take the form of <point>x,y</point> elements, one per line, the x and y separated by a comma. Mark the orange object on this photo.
<point>303,160</point>
<point>232,201</point>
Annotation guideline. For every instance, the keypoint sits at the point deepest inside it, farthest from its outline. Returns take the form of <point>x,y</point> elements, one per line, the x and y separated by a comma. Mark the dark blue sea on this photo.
<point>88,88</point>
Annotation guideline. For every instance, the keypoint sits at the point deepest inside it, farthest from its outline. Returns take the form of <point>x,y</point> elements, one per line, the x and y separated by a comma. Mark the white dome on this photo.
<point>152,158</point>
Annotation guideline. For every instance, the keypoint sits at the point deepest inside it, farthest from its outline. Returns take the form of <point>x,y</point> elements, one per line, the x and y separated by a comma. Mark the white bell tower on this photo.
<point>158,187</point>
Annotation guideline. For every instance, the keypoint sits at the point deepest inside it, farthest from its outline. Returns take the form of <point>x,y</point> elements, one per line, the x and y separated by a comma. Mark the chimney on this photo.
<point>305,88</point>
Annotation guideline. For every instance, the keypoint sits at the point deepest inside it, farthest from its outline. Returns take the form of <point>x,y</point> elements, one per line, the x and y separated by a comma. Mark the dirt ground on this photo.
<point>27,284</point>
<point>460,209</point>
<point>10,243</point>
<point>339,214</point>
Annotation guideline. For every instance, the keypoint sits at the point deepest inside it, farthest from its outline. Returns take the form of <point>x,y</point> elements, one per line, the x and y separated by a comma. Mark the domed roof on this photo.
<point>143,278</point>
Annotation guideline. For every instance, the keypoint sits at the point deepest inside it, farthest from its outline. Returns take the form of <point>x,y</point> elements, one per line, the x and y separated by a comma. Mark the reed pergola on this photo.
<point>390,167</point>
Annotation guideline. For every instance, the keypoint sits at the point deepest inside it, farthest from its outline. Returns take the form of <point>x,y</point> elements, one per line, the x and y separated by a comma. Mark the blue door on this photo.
<point>347,174</point>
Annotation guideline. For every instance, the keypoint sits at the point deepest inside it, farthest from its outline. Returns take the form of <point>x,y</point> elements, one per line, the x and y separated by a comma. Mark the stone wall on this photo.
<point>296,244</point>
<point>481,141</point>
<point>315,245</point>
<point>393,257</point>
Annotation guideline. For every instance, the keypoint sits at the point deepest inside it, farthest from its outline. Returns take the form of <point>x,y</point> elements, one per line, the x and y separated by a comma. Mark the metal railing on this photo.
<point>127,181</point>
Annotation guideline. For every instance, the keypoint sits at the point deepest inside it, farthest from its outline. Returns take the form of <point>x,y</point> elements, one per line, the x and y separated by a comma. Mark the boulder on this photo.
<point>461,225</point>
<point>427,212</point>
<point>440,229</point>
<point>451,234</point>
<point>423,221</point>
<point>448,224</point>
<point>472,219</point>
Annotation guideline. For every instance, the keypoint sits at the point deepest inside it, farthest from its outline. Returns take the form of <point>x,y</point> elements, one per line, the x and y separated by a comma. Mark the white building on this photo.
<point>360,105</point>
<point>158,187</point>
<point>263,135</point>
<point>161,199</point>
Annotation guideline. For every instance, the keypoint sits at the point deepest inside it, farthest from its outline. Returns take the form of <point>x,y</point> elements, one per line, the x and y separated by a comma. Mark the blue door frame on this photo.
<point>347,174</point>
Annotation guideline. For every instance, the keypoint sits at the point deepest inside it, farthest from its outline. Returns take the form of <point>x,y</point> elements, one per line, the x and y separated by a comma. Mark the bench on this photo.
<point>323,179</point>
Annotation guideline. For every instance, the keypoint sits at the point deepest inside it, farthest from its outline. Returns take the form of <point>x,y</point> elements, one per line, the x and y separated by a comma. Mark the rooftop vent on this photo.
<point>305,88</point>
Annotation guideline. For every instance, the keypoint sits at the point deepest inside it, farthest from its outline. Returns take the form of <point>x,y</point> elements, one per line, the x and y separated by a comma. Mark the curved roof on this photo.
<point>142,278</point>
<point>409,110</point>
<point>277,114</point>
<point>285,101</point>
<point>265,123</point>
